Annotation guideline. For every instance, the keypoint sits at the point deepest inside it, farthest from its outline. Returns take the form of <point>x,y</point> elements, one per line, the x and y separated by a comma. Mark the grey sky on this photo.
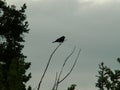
<point>92,25</point>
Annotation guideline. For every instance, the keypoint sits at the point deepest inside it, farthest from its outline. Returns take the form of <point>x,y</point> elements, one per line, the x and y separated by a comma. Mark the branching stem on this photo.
<point>47,66</point>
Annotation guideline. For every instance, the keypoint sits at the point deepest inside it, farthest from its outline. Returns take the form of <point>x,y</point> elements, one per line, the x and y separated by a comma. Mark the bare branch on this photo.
<point>64,64</point>
<point>55,82</point>
<point>68,57</point>
<point>71,68</point>
<point>47,66</point>
<point>58,80</point>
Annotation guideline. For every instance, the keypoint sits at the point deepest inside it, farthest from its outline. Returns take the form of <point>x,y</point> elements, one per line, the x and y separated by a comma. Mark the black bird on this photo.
<point>60,40</point>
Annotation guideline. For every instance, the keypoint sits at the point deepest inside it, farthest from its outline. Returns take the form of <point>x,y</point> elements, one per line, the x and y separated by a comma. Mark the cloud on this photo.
<point>70,14</point>
<point>96,28</point>
<point>99,2</point>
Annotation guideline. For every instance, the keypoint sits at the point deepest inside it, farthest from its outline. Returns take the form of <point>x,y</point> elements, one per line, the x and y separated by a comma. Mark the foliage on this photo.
<point>72,87</point>
<point>108,79</point>
<point>13,26</point>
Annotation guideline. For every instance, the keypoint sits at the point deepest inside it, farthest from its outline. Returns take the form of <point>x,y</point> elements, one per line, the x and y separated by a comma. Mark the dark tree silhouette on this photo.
<point>13,26</point>
<point>72,87</point>
<point>108,79</point>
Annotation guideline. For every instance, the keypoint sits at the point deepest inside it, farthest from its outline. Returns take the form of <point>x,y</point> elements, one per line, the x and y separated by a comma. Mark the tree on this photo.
<point>13,26</point>
<point>72,87</point>
<point>108,79</point>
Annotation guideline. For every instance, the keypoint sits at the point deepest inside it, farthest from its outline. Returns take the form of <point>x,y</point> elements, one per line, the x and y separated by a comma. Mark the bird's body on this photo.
<point>60,40</point>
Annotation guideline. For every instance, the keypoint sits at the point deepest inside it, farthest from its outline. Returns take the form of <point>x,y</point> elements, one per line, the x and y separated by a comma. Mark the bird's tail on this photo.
<point>53,42</point>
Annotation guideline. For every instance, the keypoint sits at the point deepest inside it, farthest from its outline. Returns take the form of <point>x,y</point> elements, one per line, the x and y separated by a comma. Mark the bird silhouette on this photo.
<point>59,40</point>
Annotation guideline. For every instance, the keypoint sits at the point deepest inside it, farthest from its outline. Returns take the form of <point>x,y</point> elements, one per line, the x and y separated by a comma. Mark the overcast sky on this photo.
<point>92,25</point>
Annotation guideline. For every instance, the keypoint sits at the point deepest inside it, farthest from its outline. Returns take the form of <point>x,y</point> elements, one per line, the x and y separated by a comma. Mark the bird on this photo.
<point>60,40</point>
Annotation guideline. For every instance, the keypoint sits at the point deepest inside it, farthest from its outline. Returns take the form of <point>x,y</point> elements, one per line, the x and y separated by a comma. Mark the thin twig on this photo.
<point>65,62</point>
<point>47,66</point>
<point>71,68</point>
<point>55,82</point>
<point>63,66</point>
